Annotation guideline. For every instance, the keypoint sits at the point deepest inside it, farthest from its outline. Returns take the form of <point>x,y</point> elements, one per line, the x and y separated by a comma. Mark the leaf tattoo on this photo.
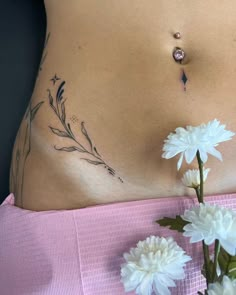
<point>63,111</point>
<point>23,149</point>
<point>59,132</point>
<point>69,149</point>
<point>93,162</point>
<point>84,131</point>
<point>57,104</point>
<point>96,151</point>
<point>44,53</point>
<point>35,110</point>
<point>60,91</point>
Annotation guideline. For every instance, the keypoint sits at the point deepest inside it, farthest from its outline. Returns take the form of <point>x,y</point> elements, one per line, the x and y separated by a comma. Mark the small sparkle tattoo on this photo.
<point>184,79</point>
<point>55,79</point>
<point>74,119</point>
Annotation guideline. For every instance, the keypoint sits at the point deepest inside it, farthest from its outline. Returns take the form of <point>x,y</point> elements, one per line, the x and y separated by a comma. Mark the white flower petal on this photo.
<point>229,247</point>
<point>145,287</point>
<point>204,138</point>
<point>226,287</point>
<point>210,222</point>
<point>203,155</point>
<point>150,266</point>
<point>211,150</point>
<point>160,288</point>
<point>180,161</point>
<point>190,154</point>
<point>191,178</point>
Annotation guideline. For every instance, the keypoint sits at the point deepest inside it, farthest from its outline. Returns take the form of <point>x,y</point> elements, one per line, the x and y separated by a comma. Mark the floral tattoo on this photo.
<point>57,104</point>
<point>45,53</point>
<point>23,149</point>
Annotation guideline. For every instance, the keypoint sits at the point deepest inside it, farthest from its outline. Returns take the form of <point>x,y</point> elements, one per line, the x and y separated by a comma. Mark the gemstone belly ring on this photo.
<point>179,56</point>
<point>177,35</point>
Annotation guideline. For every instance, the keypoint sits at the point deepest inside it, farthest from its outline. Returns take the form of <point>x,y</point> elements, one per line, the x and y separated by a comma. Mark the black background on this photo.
<point>22,35</point>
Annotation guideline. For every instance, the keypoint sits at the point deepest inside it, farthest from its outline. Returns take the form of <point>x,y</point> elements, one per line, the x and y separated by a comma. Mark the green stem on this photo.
<point>197,193</point>
<point>216,254</point>
<point>206,262</point>
<point>200,200</point>
<point>200,164</point>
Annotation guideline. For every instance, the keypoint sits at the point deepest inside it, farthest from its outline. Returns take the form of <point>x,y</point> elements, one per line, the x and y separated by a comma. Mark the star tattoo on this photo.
<point>55,79</point>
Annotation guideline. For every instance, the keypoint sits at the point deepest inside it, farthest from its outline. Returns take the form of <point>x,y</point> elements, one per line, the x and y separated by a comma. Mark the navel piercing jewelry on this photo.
<point>177,35</point>
<point>178,54</point>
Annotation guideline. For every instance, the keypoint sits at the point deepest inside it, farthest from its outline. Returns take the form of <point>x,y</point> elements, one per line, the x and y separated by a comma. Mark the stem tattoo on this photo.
<point>57,104</point>
<point>23,150</point>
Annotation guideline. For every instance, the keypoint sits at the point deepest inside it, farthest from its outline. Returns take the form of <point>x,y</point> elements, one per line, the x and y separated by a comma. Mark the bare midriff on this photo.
<point>108,93</point>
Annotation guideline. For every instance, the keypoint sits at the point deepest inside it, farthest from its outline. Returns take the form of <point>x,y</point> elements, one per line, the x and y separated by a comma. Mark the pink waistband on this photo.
<point>80,251</point>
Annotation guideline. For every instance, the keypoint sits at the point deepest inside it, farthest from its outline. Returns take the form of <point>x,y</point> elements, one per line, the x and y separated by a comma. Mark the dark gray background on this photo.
<point>22,34</point>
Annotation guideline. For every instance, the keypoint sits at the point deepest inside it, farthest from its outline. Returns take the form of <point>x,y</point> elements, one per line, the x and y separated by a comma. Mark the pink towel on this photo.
<point>79,251</point>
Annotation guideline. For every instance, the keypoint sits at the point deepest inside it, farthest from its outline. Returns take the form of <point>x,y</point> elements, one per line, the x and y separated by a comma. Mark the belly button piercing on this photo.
<point>179,56</point>
<point>177,35</point>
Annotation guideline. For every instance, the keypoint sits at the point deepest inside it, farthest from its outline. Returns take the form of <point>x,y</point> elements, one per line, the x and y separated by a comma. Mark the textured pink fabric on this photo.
<point>79,252</point>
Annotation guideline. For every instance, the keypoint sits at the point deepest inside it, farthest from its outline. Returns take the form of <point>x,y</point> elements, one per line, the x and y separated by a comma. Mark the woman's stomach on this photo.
<point>108,93</point>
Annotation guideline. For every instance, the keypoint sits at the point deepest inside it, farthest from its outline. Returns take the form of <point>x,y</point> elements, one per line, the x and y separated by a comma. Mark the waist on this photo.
<point>101,108</point>
<point>39,244</point>
<point>55,173</point>
<point>81,149</point>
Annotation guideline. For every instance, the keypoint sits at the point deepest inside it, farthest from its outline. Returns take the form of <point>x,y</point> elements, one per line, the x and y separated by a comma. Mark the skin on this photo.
<point>108,93</point>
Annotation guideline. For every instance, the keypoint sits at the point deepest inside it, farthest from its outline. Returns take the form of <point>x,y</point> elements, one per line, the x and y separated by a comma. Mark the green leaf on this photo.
<point>223,260</point>
<point>232,269</point>
<point>174,223</point>
<point>227,263</point>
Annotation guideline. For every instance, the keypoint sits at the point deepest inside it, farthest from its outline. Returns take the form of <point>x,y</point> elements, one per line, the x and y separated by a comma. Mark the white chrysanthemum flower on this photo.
<point>153,266</point>
<point>210,222</point>
<point>203,138</point>
<point>191,178</point>
<point>227,287</point>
